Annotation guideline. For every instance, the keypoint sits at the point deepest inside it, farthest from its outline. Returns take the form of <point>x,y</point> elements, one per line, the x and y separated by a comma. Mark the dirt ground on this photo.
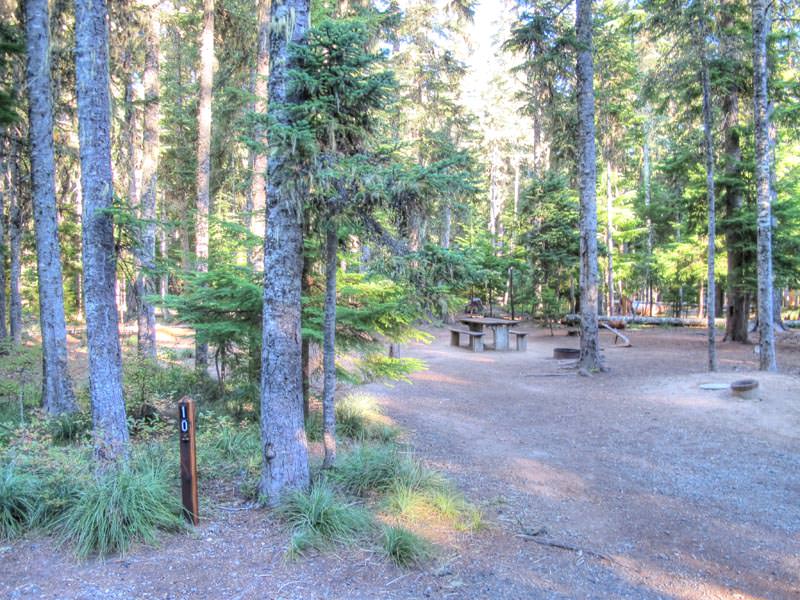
<point>634,483</point>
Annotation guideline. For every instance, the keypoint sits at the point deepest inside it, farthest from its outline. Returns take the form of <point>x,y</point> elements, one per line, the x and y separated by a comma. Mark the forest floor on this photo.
<point>634,483</point>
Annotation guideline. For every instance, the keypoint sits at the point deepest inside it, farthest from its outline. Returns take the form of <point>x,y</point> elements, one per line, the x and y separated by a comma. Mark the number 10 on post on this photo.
<point>188,459</point>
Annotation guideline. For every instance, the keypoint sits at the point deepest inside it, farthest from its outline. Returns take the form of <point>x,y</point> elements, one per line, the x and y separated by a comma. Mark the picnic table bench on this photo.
<point>475,338</point>
<point>520,337</point>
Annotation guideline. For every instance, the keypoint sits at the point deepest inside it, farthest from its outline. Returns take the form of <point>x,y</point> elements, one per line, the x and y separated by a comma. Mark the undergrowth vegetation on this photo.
<point>378,495</point>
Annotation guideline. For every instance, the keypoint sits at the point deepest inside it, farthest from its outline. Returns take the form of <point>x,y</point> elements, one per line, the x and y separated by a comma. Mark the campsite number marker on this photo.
<point>188,459</point>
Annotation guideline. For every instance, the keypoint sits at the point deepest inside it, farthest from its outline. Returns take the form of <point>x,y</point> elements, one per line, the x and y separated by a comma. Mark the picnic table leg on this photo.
<point>454,338</point>
<point>476,343</point>
<point>501,338</point>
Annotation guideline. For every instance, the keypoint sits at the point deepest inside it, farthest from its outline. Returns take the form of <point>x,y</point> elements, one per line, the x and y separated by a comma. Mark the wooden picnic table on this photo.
<point>500,328</point>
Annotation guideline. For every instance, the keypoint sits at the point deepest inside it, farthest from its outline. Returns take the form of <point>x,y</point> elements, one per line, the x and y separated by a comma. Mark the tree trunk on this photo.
<point>737,310</point>
<point>3,190</point>
<point>57,394</point>
<point>258,186</point>
<point>163,284</point>
<point>283,436</point>
<point>777,317</point>
<point>761,25</point>
<point>447,223</point>
<point>711,293</point>
<point>145,279</point>
<point>128,297</point>
<point>16,226</point>
<point>647,200</point>
<point>701,300</point>
<point>610,236</point>
<point>204,160</point>
<point>329,347</point>
<point>305,350</point>
<point>99,255</point>
<point>587,179</point>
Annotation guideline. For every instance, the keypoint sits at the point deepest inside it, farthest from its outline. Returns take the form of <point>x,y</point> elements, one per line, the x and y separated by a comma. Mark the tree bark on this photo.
<point>204,159</point>
<point>257,195</point>
<point>587,180</point>
<point>761,24</point>
<point>708,143</point>
<point>163,282</point>
<point>305,350</point>
<point>736,317</point>
<point>57,394</point>
<point>447,221</point>
<point>16,225</point>
<point>99,255</point>
<point>284,443</point>
<point>646,176</point>
<point>610,235</point>
<point>3,190</point>
<point>146,250</point>
<point>329,348</point>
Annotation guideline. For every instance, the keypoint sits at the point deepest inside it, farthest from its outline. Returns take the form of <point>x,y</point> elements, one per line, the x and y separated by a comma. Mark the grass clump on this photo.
<point>404,547</point>
<point>409,489</point>
<point>380,468</point>
<point>320,517</point>
<point>18,500</point>
<point>359,417</point>
<point>227,449</point>
<point>123,505</point>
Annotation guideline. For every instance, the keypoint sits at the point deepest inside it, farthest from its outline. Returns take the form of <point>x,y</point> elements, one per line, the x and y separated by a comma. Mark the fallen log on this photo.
<point>574,319</point>
<point>618,334</point>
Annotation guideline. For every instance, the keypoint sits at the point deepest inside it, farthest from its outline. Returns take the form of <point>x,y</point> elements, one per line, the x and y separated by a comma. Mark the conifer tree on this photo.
<point>587,177</point>
<point>762,17</point>
<point>283,438</point>
<point>146,245</point>
<point>204,159</point>
<point>99,253</point>
<point>57,394</point>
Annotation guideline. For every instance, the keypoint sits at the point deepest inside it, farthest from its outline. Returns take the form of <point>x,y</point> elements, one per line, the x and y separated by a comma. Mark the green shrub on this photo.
<point>403,547</point>
<point>70,427</point>
<point>127,504</point>
<point>320,517</point>
<point>18,500</point>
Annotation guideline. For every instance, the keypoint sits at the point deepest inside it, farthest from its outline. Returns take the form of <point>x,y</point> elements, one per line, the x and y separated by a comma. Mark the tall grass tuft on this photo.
<point>320,517</point>
<point>403,547</point>
<point>123,505</point>
<point>18,500</point>
<point>359,417</point>
<point>409,489</point>
<point>227,449</point>
<point>379,468</point>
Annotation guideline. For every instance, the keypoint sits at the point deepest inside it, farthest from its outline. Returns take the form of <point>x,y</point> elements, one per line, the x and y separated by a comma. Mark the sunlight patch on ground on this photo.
<point>439,378</point>
<point>547,481</point>
<point>678,586</point>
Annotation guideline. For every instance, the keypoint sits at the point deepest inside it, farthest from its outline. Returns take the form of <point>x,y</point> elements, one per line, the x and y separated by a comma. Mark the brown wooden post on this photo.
<point>186,428</point>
